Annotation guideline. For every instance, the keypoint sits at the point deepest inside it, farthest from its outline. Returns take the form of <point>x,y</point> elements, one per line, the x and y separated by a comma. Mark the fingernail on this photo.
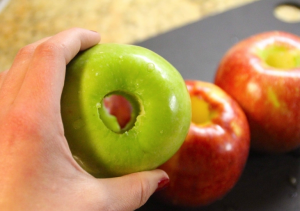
<point>162,184</point>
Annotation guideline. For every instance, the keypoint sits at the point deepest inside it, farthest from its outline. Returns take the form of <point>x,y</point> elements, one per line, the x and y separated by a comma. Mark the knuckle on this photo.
<point>26,51</point>
<point>49,49</point>
<point>145,191</point>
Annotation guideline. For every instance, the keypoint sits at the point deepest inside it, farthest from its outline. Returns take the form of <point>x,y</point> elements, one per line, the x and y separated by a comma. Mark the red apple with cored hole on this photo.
<point>262,73</point>
<point>118,106</point>
<point>214,153</point>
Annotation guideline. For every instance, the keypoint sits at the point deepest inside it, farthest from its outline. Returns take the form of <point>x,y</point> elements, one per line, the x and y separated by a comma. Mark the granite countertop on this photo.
<point>121,21</point>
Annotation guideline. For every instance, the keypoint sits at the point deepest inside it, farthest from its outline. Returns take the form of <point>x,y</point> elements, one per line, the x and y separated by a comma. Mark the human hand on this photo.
<point>37,170</point>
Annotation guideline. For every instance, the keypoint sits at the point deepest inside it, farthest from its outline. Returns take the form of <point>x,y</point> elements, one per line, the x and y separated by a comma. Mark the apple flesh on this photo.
<point>160,116</point>
<point>262,73</point>
<point>214,153</point>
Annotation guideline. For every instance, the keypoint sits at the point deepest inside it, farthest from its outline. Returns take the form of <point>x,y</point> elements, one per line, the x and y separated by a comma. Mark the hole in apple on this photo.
<point>281,57</point>
<point>202,113</point>
<point>288,12</point>
<point>118,111</point>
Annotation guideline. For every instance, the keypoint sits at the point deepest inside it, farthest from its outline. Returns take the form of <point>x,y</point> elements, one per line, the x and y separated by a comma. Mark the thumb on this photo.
<point>131,191</point>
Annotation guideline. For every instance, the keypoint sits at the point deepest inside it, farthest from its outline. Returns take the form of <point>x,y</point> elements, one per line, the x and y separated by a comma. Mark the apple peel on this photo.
<point>160,101</point>
<point>213,155</point>
<point>262,73</point>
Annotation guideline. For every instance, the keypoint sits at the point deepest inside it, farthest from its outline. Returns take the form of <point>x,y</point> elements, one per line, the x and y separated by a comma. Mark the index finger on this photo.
<point>43,83</point>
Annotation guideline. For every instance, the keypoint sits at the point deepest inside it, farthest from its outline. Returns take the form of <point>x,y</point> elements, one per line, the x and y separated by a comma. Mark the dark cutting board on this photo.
<point>195,50</point>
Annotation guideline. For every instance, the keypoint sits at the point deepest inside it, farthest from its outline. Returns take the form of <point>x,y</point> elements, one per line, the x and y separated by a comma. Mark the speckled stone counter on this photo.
<point>122,21</point>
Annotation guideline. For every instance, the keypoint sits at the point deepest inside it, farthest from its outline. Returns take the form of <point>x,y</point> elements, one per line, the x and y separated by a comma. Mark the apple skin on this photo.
<point>213,155</point>
<point>269,96</point>
<point>157,93</point>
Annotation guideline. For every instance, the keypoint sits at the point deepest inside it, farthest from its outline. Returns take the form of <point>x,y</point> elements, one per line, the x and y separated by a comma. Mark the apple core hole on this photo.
<point>287,12</point>
<point>120,107</point>
<point>201,111</point>
<point>119,111</point>
<point>281,57</point>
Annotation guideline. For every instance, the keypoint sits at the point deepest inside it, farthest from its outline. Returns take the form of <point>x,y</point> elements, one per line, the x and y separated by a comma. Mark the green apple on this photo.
<point>161,109</point>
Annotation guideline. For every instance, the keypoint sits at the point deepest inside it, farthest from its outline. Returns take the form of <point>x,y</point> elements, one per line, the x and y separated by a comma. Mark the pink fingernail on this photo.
<point>162,184</point>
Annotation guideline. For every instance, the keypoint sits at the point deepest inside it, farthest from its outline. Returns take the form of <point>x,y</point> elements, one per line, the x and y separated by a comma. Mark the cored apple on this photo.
<point>262,73</point>
<point>160,116</point>
<point>214,153</point>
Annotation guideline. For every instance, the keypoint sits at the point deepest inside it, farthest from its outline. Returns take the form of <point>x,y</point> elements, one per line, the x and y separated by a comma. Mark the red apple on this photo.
<point>262,73</point>
<point>214,153</point>
<point>118,106</point>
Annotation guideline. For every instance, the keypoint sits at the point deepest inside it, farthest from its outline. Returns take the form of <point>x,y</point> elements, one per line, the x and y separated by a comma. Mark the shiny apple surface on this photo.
<point>262,73</point>
<point>214,153</point>
<point>160,102</point>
